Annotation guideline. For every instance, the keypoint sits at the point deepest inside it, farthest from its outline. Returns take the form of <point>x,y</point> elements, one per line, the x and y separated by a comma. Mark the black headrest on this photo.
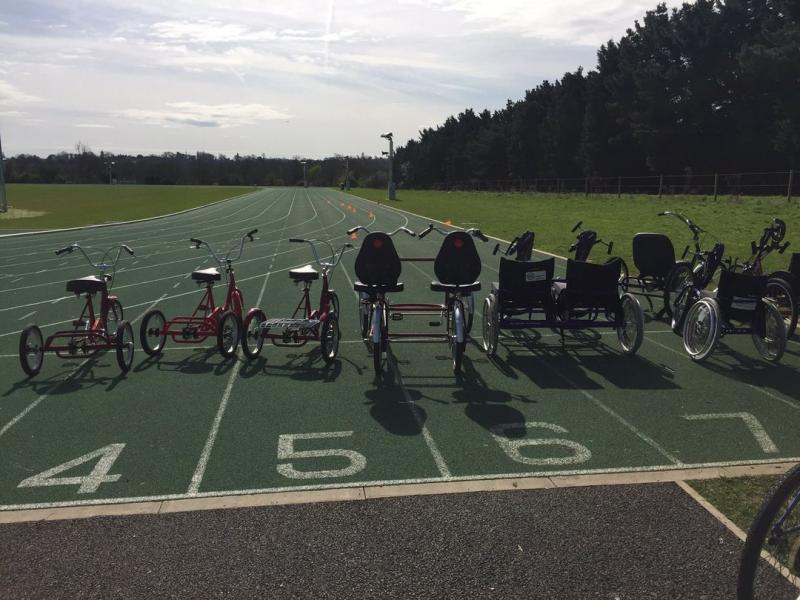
<point>377,262</point>
<point>653,254</point>
<point>457,262</point>
<point>593,278</point>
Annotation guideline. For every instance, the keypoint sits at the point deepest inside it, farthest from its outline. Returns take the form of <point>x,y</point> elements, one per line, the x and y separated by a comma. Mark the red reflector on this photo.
<point>377,243</point>
<point>458,244</point>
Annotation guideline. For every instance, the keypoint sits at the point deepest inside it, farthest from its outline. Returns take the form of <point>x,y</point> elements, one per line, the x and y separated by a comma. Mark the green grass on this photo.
<point>54,206</point>
<point>735,221</point>
<point>737,498</point>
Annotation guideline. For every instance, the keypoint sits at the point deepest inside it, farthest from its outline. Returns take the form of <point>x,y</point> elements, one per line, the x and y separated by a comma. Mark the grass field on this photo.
<point>55,206</point>
<point>735,221</point>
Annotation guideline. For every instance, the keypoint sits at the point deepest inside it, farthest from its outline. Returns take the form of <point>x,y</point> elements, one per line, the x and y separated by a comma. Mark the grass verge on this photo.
<point>738,498</point>
<point>734,220</point>
<point>35,206</point>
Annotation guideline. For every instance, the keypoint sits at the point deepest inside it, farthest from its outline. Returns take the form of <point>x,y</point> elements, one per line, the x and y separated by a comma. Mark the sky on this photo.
<point>312,78</point>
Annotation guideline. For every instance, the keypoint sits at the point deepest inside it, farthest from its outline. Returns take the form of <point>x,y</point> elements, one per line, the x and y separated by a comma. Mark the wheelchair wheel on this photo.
<point>769,336</point>
<point>490,325</point>
<point>329,338</point>
<point>469,312</point>
<point>774,532</point>
<point>31,350</point>
<point>152,333</point>
<point>679,277</point>
<point>702,329</point>
<point>456,320</point>
<point>229,334</point>
<point>631,333</point>
<point>782,293</point>
<point>683,302</point>
<point>252,340</point>
<point>123,341</point>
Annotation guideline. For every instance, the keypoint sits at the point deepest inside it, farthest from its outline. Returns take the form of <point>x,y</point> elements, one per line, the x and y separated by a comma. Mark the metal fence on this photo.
<point>772,183</point>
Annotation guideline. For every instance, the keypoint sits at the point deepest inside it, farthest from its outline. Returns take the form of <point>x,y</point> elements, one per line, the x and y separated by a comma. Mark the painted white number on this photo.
<point>753,424</point>
<point>578,453</point>
<point>286,451</point>
<point>88,483</point>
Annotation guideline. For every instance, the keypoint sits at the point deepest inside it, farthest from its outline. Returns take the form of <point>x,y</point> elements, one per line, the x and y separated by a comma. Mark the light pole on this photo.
<point>347,174</point>
<point>110,164</point>
<point>390,154</point>
<point>305,184</point>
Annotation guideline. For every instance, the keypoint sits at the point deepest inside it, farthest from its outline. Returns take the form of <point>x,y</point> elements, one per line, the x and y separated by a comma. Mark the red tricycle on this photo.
<point>92,332</point>
<point>208,320</point>
<point>305,325</point>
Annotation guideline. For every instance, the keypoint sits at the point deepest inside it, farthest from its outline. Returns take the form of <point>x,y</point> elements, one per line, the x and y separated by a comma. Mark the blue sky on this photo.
<point>273,77</point>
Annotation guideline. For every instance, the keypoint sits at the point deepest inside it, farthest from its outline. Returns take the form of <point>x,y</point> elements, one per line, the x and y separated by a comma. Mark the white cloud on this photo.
<point>92,126</point>
<point>10,95</point>
<point>205,115</point>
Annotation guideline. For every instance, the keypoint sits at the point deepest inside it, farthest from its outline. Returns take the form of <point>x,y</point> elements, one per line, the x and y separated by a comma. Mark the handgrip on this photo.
<point>296,241</point>
<point>662,214</point>
<point>577,226</point>
<point>352,231</point>
<point>496,249</point>
<point>195,241</point>
<point>479,234</point>
<point>127,249</point>
<point>753,248</point>
<point>250,234</point>
<point>572,248</point>
<point>426,232</point>
<point>63,250</point>
<point>783,248</point>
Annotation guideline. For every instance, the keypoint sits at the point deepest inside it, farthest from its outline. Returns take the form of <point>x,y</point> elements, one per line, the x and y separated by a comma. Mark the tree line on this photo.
<point>201,168</point>
<point>710,87</point>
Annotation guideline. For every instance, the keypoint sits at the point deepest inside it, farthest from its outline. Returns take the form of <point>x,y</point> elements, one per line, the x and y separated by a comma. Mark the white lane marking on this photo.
<point>176,285</point>
<point>793,405</point>
<point>16,280</point>
<point>385,482</point>
<point>202,463</point>
<point>88,483</point>
<point>438,458</point>
<point>23,317</point>
<point>578,453</point>
<point>753,424</point>
<point>287,452</point>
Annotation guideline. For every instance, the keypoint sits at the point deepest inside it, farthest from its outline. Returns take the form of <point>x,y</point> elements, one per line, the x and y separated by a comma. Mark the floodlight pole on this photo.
<point>3,200</point>
<point>111,163</point>
<point>305,183</point>
<point>347,174</point>
<point>391,190</point>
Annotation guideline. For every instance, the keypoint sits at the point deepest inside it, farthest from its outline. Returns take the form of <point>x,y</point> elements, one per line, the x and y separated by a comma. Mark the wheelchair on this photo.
<point>739,306</point>
<point>528,296</point>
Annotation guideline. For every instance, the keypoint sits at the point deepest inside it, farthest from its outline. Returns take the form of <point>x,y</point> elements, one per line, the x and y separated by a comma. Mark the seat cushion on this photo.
<point>86,285</point>
<point>206,275</point>
<point>437,286</point>
<point>307,273</point>
<point>378,289</point>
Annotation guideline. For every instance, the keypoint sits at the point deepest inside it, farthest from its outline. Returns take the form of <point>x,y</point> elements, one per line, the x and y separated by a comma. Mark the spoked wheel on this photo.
<point>115,315</point>
<point>631,333</point>
<point>123,340</point>
<point>455,323</point>
<point>152,332</point>
<point>702,329</point>
<point>334,300</point>
<point>469,312</point>
<point>680,307</point>
<point>379,337</point>
<point>770,564</point>
<point>229,333</point>
<point>31,350</point>
<point>363,314</point>
<point>623,274</point>
<point>782,293</point>
<point>678,278</point>
<point>490,325</point>
<point>769,336</point>
<point>329,338</point>
<point>252,339</point>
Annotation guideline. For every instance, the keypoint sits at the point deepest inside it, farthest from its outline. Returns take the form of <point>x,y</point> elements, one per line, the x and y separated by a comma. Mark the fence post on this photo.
<point>789,190</point>
<point>660,185</point>
<point>619,187</point>
<point>716,182</point>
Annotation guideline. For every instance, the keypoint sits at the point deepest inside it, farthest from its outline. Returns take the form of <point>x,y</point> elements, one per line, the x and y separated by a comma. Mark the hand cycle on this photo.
<point>306,324</point>
<point>521,246</point>
<point>582,247</point>
<point>781,285</point>
<point>92,332</point>
<point>208,320</point>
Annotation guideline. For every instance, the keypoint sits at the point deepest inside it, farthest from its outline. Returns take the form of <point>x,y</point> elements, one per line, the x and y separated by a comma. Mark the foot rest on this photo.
<point>290,324</point>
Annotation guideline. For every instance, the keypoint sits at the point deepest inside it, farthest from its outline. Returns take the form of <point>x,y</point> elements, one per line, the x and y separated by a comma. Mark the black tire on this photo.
<point>377,359</point>
<point>679,277</point>
<point>379,349</point>
<point>769,336</point>
<point>123,342</point>
<point>490,325</point>
<point>115,315</point>
<point>363,315</point>
<point>152,335</point>
<point>782,293</point>
<point>469,312</point>
<point>334,301</point>
<point>631,333</point>
<point>229,333</point>
<point>456,348</point>
<point>252,340</point>
<point>329,338</point>
<point>757,577</point>
<point>31,350</point>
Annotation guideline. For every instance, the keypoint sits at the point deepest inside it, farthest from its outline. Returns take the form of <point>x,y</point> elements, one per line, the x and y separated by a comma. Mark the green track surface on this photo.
<point>540,408</point>
<point>734,220</point>
<point>55,206</point>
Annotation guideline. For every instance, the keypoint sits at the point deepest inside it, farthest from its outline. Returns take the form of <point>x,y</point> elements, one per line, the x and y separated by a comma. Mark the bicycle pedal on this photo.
<point>435,323</point>
<point>397,316</point>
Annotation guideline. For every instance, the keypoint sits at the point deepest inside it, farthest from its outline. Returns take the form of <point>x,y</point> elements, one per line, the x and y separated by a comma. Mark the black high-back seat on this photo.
<point>457,265</point>
<point>590,286</point>
<point>739,295</point>
<point>653,254</point>
<point>378,265</point>
<point>526,285</point>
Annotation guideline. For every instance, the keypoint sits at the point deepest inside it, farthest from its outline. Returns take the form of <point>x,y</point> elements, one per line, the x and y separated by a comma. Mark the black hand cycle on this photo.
<point>307,324</point>
<point>586,240</point>
<point>91,332</point>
